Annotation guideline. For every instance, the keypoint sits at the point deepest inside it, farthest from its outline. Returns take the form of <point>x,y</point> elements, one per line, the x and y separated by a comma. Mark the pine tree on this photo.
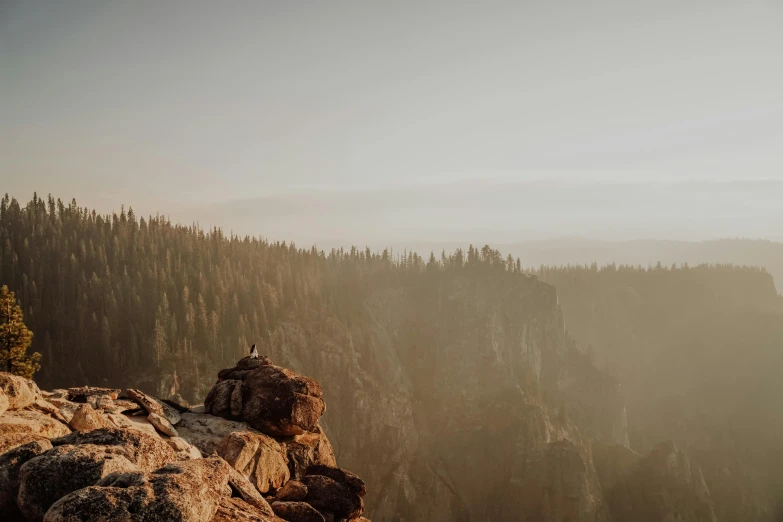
<point>15,338</point>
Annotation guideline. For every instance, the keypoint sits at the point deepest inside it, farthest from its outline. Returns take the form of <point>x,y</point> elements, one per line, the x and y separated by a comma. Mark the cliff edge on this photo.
<point>254,452</point>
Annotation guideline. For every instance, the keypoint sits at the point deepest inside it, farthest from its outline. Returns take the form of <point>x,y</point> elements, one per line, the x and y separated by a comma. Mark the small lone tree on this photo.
<point>15,338</point>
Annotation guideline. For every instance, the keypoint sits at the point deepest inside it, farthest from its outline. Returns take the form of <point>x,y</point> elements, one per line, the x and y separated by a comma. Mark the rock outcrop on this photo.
<point>85,454</point>
<point>269,398</point>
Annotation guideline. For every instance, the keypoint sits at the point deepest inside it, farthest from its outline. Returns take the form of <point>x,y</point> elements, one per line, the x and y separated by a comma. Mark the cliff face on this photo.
<point>471,398</point>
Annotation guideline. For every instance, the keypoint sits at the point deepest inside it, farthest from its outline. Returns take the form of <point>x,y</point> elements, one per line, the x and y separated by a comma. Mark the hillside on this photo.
<point>697,352</point>
<point>456,375</point>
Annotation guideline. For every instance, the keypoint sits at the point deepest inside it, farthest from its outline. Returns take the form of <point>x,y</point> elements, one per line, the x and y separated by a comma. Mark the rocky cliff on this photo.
<point>254,452</point>
<point>466,401</point>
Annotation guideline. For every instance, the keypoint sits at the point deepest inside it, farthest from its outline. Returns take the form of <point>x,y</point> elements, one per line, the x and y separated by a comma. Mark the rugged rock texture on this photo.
<point>187,491</point>
<point>35,422</point>
<point>85,418</point>
<point>83,393</point>
<point>269,398</point>
<point>660,486</point>
<point>236,510</point>
<point>258,457</point>
<point>10,464</point>
<point>297,512</point>
<point>122,467</point>
<point>16,392</point>
<point>47,478</point>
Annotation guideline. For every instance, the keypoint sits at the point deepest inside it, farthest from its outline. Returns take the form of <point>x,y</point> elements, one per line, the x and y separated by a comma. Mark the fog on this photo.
<point>440,122</point>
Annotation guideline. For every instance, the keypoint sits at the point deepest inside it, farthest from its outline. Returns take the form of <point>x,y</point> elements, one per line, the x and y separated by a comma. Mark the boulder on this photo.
<point>148,452</point>
<point>102,403</point>
<point>188,491</point>
<point>340,475</point>
<point>171,414</point>
<point>183,449</point>
<point>280,402</point>
<point>46,478</point>
<point>297,512</point>
<point>85,418</point>
<point>48,408</point>
<point>326,494</point>
<point>147,402</point>
<point>123,405</point>
<point>308,449</point>
<point>248,492</point>
<point>272,399</point>
<point>162,424</point>
<point>206,431</point>
<point>257,456</point>
<point>218,400</point>
<point>233,509</point>
<point>10,463</point>
<point>292,491</point>
<point>83,393</point>
<point>14,440</point>
<point>26,421</point>
<point>65,407</point>
<point>18,392</point>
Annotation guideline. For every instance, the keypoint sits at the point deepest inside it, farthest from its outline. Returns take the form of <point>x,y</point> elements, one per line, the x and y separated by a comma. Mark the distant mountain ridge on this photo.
<point>644,252</point>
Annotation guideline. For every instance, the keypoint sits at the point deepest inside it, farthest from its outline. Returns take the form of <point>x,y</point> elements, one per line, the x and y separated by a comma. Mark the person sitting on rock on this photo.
<point>253,352</point>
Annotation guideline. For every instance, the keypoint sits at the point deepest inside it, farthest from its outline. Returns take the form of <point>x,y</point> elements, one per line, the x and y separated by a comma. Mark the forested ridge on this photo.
<point>111,297</point>
<point>129,301</point>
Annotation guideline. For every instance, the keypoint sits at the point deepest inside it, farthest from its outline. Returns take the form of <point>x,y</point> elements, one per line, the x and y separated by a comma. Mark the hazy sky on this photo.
<point>403,120</point>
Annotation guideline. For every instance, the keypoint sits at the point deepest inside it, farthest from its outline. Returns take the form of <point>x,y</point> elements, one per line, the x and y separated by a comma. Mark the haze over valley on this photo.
<point>331,262</point>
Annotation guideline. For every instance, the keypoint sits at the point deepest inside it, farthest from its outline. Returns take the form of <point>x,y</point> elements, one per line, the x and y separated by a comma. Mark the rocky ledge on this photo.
<point>254,452</point>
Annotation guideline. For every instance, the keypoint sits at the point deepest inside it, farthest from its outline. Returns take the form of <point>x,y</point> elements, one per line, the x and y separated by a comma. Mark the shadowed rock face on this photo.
<point>269,398</point>
<point>10,464</point>
<point>187,491</point>
<point>16,392</point>
<point>47,478</point>
<point>660,486</point>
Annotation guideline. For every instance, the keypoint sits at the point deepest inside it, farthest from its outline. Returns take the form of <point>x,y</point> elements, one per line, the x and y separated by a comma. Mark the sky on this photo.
<point>450,121</point>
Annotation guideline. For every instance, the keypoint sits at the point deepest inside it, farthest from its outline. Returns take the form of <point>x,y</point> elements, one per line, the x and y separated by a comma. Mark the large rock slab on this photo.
<point>207,431</point>
<point>218,400</point>
<point>162,425</point>
<point>297,512</point>
<point>274,400</point>
<point>257,456</point>
<point>18,392</point>
<point>292,491</point>
<point>188,491</point>
<point>184,449</point>
<point>326,494</point>
<point>280,402</point>
<point>248,492</point>
<point>306,450</point>
<point>85,418</point>
<point>46,478</point>
<point>149,452</point>
<point>146,402</point>
<point>10,464</point>
<point>232,509</point>
<point>340,475</point>
<point>83,393</point>
<point>27,421</point>
<point>65,407</point>
<point>14,440</point>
